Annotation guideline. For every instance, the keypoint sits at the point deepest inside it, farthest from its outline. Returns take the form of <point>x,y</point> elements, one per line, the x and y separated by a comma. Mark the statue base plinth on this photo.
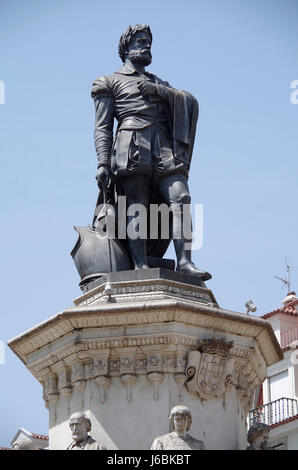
<point>144,275</point>
<point>156,339</point>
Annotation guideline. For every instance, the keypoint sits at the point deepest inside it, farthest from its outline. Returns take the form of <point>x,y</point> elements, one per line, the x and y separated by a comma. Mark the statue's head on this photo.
<point>135,45</point>
<point>258,435</point>
<point>180,418</point>
<point>80,425</point>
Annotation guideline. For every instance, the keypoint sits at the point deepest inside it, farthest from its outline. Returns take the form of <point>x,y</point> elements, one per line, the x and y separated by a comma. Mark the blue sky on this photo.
<point>237,57</point>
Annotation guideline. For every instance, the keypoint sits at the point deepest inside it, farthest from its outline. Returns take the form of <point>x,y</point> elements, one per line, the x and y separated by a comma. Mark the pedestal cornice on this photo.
<point>144,313</point>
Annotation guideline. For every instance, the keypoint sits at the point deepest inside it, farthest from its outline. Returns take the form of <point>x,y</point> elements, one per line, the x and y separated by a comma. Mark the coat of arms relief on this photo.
<point>209,368</point>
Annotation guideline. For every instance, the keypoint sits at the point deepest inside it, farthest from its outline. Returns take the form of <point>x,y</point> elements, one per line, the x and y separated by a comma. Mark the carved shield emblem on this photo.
<point>211,373</point>
<point>208,371</point>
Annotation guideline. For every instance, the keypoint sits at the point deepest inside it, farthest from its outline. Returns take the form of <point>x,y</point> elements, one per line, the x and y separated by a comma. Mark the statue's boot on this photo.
<point>190,268</point>
<point>184,262</point>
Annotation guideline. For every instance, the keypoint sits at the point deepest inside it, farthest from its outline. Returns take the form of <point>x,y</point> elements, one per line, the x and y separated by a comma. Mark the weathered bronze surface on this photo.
<point>148,158</point>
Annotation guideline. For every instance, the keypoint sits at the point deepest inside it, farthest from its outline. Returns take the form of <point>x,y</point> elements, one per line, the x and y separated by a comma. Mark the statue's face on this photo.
<point>180,423</point>
<point>262,440</point>
<point>139,49</point>
<point>79,429</point>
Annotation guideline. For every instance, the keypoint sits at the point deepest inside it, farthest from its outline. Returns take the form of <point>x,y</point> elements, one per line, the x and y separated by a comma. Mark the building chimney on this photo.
<point>290,297</point>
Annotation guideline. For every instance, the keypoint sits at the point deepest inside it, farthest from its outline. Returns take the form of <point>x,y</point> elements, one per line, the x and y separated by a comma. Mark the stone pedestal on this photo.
<point>126,357</point>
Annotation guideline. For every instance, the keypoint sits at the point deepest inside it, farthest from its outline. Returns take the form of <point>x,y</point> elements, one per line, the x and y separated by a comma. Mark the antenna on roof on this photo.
<point>286,281</point>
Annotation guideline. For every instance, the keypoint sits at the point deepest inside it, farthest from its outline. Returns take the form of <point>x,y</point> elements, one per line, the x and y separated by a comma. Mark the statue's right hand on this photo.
<point>102,175</point>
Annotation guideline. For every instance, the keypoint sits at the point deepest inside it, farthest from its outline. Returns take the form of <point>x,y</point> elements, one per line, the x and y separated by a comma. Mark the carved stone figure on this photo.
<point>258,436</point>
<point>80,425</point>
<point>24,443</point>
<point>147,160</point>
<point>180,420</point>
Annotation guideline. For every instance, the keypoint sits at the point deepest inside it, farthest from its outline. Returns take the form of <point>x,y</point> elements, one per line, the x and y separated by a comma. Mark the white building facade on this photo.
<point>278,398</point>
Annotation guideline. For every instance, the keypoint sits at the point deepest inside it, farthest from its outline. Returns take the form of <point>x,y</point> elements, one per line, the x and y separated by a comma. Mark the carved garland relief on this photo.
<point>209,371</point>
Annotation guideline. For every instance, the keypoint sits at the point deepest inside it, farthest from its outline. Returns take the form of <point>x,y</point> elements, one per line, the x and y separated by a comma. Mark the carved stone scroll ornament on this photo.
<point>50,389</point>
<point>78,380</point>
<point>45,398</point>
<point>129,380</point>
<point>244,385</point>
<point>209,367</point>
<point>103,383</point>
<point>156,378</point>
<point>180,379</point>
<point>77,377</point>
<point>64,385</point>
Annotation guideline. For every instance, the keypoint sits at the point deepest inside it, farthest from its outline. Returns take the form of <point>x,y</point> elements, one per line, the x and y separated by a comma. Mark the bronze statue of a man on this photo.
<point>152,147</point>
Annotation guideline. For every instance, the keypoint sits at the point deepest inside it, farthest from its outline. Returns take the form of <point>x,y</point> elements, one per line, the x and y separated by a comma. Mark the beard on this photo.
<point>79,436</point>
<point>139,57</point>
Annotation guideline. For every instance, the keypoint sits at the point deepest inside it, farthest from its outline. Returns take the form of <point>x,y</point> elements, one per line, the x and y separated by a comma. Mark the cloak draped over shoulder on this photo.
<point>174,113</point>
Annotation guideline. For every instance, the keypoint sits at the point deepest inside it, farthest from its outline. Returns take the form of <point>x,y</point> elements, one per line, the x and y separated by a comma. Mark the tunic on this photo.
<point>154,136</point>
<point>172,441</point>
<point>87,444</point>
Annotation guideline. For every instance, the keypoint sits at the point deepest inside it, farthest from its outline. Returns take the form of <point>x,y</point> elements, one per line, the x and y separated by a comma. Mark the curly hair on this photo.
<point>256,430</point>
<point>127,37</point>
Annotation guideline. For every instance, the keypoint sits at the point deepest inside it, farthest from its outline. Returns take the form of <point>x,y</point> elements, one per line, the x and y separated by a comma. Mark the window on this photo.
<point>279,444</point>
<point>280,386</point>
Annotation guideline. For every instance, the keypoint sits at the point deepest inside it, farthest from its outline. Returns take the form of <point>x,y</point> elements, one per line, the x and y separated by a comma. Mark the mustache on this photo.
<point>143,56</point>
<point>140,53</point>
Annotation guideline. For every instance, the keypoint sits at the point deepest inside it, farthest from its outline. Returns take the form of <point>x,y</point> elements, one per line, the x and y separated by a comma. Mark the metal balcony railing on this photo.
<point>274,412</point>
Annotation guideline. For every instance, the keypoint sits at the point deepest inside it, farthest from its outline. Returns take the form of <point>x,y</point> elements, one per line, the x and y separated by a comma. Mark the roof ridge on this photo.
<point>282,309</point>
<point>40,436</point>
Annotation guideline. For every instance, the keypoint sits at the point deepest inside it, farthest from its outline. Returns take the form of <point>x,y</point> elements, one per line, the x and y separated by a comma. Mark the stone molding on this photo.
<point>154,312</point>
<point>99,340</point>
<point>219,347</point>
<point>103,353</point>
<point>131,291</point>
<point>120,361</point>
<point>130,363</point>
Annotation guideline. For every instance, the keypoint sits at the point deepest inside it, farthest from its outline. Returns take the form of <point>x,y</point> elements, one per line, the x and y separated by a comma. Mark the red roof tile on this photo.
<point>293,418</point>
<point>40,436</point>
<point>288,309</point>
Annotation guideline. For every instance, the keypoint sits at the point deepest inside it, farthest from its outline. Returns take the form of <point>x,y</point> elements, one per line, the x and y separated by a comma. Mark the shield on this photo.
<point>210,374</point>
<point>95,255</point>
<point>209,367</point>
